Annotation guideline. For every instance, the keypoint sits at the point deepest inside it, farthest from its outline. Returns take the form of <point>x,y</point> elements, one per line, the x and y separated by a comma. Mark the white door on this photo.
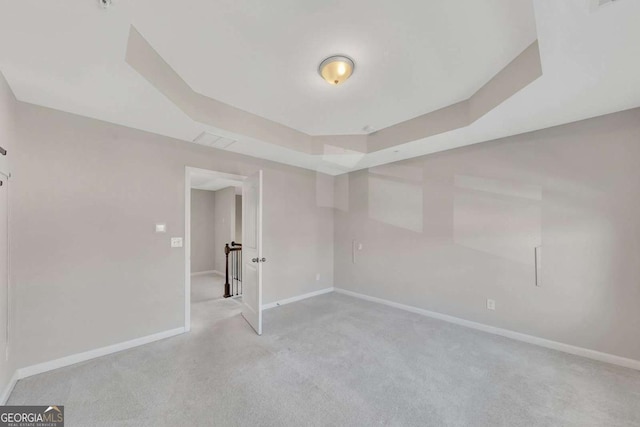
<point>252,251</point>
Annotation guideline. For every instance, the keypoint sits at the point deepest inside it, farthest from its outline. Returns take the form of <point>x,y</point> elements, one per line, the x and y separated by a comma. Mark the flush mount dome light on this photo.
<point>336,69</point>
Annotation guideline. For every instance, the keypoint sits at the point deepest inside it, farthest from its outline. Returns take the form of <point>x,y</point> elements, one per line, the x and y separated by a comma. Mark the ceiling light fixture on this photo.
<point>336,69</point>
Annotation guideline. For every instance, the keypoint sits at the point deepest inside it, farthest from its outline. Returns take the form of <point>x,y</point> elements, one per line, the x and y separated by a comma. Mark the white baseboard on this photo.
<point>296,298</point>
<point>202,273</point>
<point>8,389</point>
<point>554,345</point>
<point>92,354</point>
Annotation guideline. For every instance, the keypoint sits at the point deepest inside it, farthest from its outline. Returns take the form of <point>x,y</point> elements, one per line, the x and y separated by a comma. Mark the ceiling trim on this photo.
<point>142,57</point>
<point>145,60</point>
<point>519,73</point>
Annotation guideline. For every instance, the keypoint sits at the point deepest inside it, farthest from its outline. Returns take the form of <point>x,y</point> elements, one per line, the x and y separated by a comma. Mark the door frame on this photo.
<point>189,172</point>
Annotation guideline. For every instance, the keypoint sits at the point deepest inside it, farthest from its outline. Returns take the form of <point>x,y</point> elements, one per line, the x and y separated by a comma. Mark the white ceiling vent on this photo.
<point>216,141</point>
<point>597,4</point>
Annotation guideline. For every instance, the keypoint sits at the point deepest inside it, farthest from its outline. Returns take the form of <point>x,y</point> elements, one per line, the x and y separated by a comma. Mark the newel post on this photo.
<point>227,286</point>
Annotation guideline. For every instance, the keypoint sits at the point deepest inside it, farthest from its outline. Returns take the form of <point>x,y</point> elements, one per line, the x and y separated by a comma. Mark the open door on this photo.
<point>252,251</point>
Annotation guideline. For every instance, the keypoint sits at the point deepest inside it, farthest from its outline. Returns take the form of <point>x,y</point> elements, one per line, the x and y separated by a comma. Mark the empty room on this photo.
<point>303,213</point>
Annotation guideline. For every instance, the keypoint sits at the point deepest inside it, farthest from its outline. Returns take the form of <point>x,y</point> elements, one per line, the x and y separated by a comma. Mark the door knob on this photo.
<point>263,260</point>
<point>258,260</point>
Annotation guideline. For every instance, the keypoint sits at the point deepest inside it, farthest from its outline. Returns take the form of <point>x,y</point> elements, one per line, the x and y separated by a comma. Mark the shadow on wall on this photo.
<point>498,217</point>
<point>395,196</point>
<point>449,231</point>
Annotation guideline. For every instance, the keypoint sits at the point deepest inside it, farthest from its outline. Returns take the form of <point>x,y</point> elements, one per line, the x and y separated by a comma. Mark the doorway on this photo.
<point>216,216</point>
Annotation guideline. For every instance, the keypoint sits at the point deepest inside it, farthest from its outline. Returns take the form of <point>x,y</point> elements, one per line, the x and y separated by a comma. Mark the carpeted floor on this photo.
<point>208,304</point>
<point>337,361</point>
<point>206,287</point>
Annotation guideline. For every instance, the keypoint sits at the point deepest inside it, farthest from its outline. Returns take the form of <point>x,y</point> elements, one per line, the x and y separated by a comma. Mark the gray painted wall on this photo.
<point>202,230</point>
<point>88,268</point>
<point>225,223</point>
<point>238,237</point>
<point>447,231</point>
<point>7,141</point>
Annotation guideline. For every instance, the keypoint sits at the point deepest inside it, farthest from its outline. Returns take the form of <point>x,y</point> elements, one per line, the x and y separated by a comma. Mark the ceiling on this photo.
<point>412,57</point>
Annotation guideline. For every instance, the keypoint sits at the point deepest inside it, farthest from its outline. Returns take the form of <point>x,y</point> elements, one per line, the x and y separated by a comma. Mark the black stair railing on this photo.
<point>233,269</point>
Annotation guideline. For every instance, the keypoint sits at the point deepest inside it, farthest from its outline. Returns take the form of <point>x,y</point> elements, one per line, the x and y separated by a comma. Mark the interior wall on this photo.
<point>448,231</point>
<point>238,237</point>
<point>202,230</point>
<point>88,268</point>
<point>225,223</point>
<point>7,308</point>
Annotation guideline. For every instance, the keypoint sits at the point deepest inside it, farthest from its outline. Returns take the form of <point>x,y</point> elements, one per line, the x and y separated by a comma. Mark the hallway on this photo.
<point>208,306</point>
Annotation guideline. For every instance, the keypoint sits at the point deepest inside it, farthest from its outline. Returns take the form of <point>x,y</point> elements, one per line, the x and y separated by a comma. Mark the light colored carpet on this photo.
<point>208,304</point>
<point>206,287</point>
<point>335,360</point>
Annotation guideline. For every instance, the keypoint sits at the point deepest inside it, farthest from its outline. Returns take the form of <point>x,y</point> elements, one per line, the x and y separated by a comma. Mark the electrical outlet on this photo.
<point>491,304</point>
<point>176,242</point>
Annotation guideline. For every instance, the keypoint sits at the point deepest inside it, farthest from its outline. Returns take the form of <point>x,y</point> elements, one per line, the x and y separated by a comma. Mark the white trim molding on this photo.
<point>83,357</point>
<point>9,388</point>
<point>530,339</point>
<point>296,298</point>
<point>92,354</point>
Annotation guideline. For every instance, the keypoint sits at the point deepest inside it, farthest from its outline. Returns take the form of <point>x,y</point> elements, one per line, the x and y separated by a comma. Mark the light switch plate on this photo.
<point>161,228</point>
<point>176,242</point>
